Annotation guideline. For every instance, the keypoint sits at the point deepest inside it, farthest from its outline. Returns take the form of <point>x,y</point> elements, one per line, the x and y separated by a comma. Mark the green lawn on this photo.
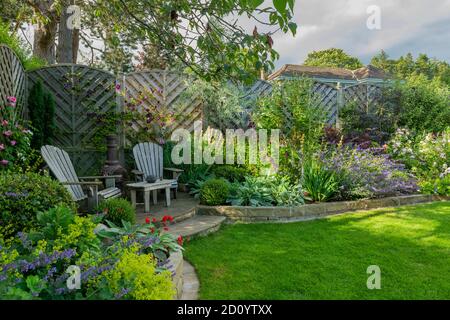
<point>328,258</point>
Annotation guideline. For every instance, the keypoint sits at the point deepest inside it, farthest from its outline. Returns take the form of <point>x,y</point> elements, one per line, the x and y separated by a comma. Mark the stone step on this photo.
<point>196,226</point>
<point>190,282</point>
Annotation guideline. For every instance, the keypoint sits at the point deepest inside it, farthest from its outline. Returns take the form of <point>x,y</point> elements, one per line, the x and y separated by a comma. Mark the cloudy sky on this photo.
<point>416,26</point>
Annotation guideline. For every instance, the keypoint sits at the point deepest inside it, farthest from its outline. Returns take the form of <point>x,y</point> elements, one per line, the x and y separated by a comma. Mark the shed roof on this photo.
<point>367,72</point>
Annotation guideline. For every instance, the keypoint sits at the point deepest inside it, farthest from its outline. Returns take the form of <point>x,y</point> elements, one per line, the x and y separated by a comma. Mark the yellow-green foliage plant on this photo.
<point>134,276</point>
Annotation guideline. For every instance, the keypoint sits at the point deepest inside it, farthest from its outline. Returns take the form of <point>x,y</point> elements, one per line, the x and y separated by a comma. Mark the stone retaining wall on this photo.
<point>311,211</point>
<point>175,264</point>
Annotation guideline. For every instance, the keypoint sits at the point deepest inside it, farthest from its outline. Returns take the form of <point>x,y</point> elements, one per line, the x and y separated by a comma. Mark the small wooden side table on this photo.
<point>146,188</point>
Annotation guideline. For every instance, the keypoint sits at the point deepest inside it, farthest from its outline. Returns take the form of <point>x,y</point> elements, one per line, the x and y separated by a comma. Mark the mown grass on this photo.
<point>328,258</point>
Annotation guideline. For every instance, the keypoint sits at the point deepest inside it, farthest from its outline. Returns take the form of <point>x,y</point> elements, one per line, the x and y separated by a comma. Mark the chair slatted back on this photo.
<point>61,166</point>
<point>149,159</point>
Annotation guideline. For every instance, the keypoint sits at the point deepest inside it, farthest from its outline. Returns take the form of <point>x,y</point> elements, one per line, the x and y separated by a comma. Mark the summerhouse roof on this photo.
<point>295,70</point>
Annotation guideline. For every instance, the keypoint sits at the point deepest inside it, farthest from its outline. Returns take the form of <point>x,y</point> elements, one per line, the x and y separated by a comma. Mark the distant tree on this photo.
<point>334,58</point>
<point>405,66</point>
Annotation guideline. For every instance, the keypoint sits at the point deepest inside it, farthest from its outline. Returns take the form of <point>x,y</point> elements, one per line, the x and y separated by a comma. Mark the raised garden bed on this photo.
<point>175,265</point>
<point>311,211</point>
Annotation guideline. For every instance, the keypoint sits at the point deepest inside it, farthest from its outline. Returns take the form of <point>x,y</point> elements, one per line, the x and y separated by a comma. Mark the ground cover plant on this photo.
<point>115,262</point>
<point>328,258</point>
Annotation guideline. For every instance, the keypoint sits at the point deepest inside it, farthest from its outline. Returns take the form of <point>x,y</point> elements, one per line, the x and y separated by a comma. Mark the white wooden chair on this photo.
<point>62,168</point>
<point>149,162</point>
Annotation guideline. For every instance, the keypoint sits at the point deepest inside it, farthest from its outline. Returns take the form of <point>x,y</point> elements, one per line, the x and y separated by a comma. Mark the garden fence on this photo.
<point>80,91</point>
<point>13,80</point>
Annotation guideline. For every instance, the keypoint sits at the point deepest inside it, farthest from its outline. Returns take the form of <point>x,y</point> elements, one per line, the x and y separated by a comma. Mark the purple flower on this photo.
<point>122,293</point>
<point>13,142</point>
<point>4,162</point>
<point>7,133</point>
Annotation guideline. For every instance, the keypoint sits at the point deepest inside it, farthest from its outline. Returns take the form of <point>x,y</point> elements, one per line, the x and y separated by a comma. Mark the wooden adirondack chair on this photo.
<point>149,161</point>
<point>62,168</point>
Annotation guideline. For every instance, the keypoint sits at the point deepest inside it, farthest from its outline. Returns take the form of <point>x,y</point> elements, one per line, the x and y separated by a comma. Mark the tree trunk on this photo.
<point>76,45</point>
<point>65,36</point>
<point>44,41</point>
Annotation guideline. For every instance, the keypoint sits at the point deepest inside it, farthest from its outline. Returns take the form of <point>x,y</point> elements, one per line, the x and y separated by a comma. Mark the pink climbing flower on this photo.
<point>12,100</point>
<point>13,142</point>
<point>5,123</point>
<point>2,147</point>
<point>4,162</point>
<point>7,133</point>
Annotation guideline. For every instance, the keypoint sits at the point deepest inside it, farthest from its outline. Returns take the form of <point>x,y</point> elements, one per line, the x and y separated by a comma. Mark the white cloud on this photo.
<point>407,26</point>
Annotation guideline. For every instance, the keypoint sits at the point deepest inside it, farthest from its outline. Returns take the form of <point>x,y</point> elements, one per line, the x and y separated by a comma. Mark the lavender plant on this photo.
<point>369,173</point>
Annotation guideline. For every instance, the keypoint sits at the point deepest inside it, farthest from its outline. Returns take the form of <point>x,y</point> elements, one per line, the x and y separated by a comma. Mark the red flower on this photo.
<point>147,220</point>
<point>154,220</point>
<point>166,229</point>
<point>152,230</point>
<point>180,240</point>
<point>170,218</point>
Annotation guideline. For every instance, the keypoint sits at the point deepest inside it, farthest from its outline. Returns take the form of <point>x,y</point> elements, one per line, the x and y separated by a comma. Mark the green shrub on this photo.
<point>22,196</point>
<point>424,104</point>
<point>440,186</point>
<point>42,115</point>
<point>320,183</point>
<point>230,173</point>
<point>25,56</point>
<point>214,192</point>
<point>117,210</point>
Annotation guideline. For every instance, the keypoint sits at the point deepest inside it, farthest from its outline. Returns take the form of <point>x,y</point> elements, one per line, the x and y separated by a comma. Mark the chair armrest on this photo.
<point>138,174</point>
<point>100,177</point>
<point>83,183</point>
<point>174,170</point>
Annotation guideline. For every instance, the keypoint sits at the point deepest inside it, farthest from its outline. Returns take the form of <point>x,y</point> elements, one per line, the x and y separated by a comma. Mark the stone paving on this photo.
<point>181,208</point>
<point>196,226</point>
<point>190,282</point>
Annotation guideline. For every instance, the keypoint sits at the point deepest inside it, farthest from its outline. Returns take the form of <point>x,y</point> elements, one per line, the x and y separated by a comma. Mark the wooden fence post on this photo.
<point>340,103</point>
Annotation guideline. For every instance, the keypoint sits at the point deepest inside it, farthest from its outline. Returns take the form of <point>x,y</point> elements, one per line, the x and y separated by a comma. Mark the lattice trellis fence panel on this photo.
<point>356,94</point>
<point>365,96</point>
<point>248,96</point>
<point>327,97</point>
<point>12,81</point>
<point>78,90</point>
<point>163,90</point>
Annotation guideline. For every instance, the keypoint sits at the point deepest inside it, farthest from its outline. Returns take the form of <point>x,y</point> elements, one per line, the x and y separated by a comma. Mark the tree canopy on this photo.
<point>213,38</point>
<point>334,58</point>
<point>406,66</point>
